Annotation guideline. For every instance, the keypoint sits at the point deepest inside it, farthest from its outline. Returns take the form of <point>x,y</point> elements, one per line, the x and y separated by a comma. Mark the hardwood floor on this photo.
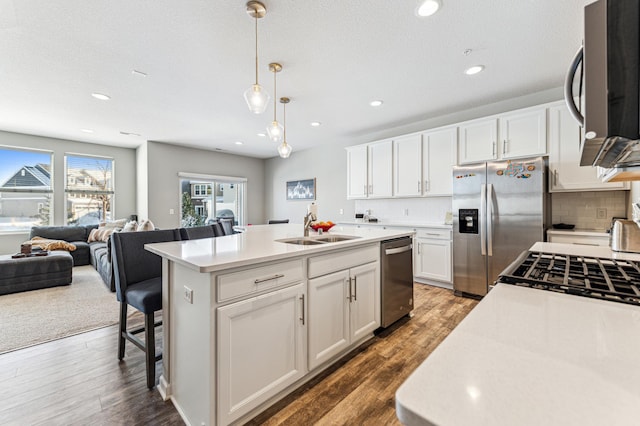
<point>78,380</point>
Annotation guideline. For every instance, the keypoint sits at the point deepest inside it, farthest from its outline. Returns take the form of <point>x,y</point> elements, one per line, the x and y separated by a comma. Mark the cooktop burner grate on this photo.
<point>609,279</point>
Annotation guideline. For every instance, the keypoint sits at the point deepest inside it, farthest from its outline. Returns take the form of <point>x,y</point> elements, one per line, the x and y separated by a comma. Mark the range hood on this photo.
<point>610,62</point>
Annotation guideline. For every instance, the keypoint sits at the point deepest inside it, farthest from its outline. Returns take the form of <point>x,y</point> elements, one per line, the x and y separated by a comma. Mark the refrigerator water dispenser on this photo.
<point>468,221</point>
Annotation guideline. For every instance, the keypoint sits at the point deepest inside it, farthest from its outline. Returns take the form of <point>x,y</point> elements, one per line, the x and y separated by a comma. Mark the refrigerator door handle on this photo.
<point>489,202</point>
<point>483,219</point>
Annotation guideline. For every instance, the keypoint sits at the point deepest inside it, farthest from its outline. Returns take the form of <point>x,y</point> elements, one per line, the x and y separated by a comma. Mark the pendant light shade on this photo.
<point>284,149</point>
<point>275,129</point>
<point>256,97</point>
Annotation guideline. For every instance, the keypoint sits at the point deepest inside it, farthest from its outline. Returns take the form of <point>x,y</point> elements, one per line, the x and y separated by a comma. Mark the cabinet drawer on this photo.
<point>255,280</point>
<point>435,233</point>
<point>586,240</point>
<point>338,261</point>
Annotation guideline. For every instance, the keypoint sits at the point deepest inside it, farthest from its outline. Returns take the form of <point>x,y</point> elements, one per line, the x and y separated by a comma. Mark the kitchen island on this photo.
<point>530,357</point>
<point>250,317</point>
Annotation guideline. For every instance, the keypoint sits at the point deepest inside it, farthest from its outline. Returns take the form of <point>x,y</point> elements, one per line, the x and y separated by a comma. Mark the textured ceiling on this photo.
<point>337,55</point>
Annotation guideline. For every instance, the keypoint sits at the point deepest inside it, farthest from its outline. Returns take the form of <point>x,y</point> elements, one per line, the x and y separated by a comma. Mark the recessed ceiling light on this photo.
<point>101,96</point>
<point>262,135</point>
<point>428,8</point>
<point>86,130</point>
<point>239,143</point>
<point>315,123</point>
<point>474,69</point>
<point>376,103</point>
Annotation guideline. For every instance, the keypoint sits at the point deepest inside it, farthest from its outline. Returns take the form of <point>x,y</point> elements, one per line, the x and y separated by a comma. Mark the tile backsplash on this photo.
<point>588,210</point>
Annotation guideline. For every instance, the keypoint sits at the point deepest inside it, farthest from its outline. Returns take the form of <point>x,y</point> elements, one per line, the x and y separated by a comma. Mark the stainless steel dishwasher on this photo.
<point>396,279</point>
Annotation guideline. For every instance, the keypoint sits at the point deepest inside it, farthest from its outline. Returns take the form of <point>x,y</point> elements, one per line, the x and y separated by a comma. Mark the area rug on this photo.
<point>38,316</point>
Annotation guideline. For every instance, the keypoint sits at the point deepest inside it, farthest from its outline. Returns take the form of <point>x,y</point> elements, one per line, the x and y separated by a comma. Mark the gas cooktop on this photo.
<point>607,279</point>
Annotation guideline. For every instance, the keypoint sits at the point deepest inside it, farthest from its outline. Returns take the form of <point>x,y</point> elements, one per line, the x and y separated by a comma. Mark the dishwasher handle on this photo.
<point>398,249</point>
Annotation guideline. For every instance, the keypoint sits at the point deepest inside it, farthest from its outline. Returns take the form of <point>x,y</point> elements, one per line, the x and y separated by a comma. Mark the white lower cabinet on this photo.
<point>344,307</point>
<point>432,255</point>
<point>261,349</point>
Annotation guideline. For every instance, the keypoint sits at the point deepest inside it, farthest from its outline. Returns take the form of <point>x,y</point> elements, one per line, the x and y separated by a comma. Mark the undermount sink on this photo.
<point>335,238</point>
<point>307,241</point>
<point>300,241</point>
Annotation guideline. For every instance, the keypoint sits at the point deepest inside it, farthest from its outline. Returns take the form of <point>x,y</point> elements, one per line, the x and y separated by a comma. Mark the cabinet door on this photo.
<point>523,133</point>
<point>365,300</point>
<point>328,317</point>
<point>433,259</point>
<point>381,169</point>
<point>261,349</point>
<point>478,141</point>
<point>439,156</point>
<point>407,170</point>
<point>357,171</point>
<point>566,174</point>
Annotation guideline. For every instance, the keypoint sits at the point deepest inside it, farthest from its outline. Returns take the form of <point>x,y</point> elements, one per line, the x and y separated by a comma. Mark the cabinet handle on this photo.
<point>432,233</point>
<point>418,186</point>
<point>364,189</point>
<point>427,188</point>
<point>493,149</point>
<point>370,189</point>
<point>275,277</point>
<point>504,147</point>
<point>419,244</point>
<point>555,177</point>
<point>348,282</point>
<point>302,317</point>
<point>355,289</point>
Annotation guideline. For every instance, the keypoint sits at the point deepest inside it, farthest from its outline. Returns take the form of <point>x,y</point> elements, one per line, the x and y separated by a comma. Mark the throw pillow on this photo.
<point>113,224</point>
<point>130,226</point>
<point>146,225</point>
<point>46,244</point>
<point>93,235</point>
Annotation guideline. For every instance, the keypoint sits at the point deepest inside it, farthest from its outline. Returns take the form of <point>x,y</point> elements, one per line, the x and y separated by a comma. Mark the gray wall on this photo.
<point>165,161</point>
<point>328,164</point>
<point>124,174</point>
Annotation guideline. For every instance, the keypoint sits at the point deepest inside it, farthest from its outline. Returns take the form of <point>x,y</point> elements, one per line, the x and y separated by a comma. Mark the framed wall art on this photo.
<point>304,189</point>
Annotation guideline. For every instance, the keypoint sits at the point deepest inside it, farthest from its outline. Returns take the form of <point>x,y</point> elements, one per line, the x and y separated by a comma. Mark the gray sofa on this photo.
<point>96,253</point>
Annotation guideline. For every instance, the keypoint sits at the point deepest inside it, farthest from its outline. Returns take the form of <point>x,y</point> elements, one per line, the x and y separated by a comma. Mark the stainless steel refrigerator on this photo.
<point>499,210</point>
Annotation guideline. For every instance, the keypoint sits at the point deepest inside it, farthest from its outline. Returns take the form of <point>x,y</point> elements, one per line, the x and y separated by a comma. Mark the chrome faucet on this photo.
<point>309,217</point>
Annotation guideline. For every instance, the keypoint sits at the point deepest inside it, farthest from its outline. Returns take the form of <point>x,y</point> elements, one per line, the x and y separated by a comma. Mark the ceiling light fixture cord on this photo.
<point>256,19</point>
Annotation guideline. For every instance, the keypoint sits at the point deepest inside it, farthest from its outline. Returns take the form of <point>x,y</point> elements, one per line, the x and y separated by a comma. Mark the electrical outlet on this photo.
<point>601,213</point>
<point>406,212</point>
<point>188,295</point>
<point>341,211</point>
<point>171,211</point>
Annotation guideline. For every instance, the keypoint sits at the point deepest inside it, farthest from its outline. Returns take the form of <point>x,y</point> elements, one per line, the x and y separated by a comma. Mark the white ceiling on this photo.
<point>337,55</point>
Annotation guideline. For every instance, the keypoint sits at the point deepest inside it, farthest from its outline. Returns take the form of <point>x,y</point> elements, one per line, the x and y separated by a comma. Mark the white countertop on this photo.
<point>581,232</point>
<point>258,244</point>
<point>584,250</point>
<point>531,357</point>
<point>401,224</point>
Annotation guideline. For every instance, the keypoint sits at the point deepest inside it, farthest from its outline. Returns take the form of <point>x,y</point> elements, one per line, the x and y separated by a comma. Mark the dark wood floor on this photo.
<point>78,380</point>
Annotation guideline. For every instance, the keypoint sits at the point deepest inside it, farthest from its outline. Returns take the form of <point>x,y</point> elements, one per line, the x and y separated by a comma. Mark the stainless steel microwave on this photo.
<point>608,66</point>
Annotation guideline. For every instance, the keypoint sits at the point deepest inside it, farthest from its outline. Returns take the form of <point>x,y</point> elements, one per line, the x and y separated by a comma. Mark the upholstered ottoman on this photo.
<point>31,273</point>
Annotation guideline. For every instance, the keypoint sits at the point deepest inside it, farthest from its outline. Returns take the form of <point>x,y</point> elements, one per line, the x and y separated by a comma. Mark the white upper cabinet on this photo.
<point>423,162</point>
<point>407,155</point>
<point>370,170</point>
<point>565,172</point>
<point>438,159</point>
<point>517,134</point>
<point>523,133</point>
<point>478,141</point>
<point>357,171</point>
<point>380,174</point>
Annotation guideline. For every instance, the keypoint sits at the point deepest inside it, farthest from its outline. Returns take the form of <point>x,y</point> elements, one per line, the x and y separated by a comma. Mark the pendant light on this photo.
<point>274,130</point>
<point>284,149</point>
<point>256,97</point>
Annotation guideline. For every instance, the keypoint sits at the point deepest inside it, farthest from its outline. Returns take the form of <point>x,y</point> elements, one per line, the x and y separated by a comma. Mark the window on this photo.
<point>205,198</point>
<point>25,189</point>
<point>89,190</point>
